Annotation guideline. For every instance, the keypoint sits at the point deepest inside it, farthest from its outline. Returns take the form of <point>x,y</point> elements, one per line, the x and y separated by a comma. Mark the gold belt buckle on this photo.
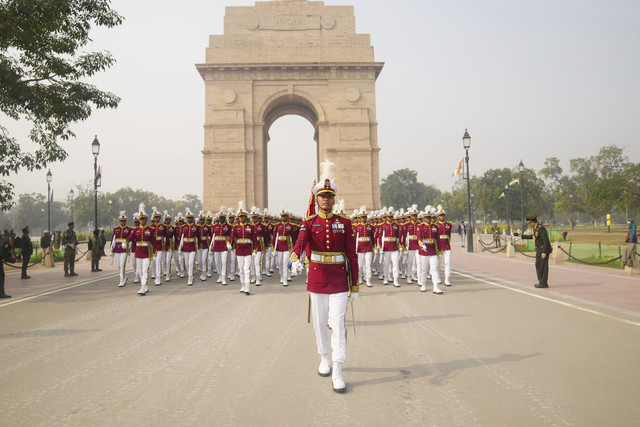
<point>327,259</point>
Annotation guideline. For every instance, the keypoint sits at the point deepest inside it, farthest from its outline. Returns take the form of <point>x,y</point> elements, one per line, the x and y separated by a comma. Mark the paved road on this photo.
<point>491,351</point>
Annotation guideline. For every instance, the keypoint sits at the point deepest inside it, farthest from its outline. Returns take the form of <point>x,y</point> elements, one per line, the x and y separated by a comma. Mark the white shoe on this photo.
<point>324,370</point>
<point>437,290</point>
<point>386,282</point>
<point>447,283</point>
<point>258,283</point>
<point>209,275</point>
<point>409,281</point>
<point>423,288</point>
<point>143,290</point>
<point>219,280</point>
<point>121,285</point>
<point>369,284</point>
<point>336,378</point>
<point>158,282</point>
<point>396,284</point>
<point>224,282</point>
<point>136,280</point>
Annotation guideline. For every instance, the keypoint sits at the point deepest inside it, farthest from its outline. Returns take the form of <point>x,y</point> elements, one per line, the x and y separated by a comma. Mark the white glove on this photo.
<point>354,296</point>
<point>229,247</point>
<point>296,268</point>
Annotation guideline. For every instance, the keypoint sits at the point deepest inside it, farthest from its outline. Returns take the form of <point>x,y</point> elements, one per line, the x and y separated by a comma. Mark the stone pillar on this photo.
<point>557,256</point>
<point>511,252</point>
<point>48,258</point>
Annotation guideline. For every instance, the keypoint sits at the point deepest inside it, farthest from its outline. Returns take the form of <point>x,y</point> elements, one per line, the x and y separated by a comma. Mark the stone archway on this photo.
<point>289,57</point>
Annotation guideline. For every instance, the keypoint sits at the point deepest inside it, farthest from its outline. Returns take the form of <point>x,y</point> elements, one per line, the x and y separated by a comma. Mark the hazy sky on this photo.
<point>529,80</point>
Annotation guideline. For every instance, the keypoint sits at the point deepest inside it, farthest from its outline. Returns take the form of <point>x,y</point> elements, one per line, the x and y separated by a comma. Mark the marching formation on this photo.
<point>391,245</point>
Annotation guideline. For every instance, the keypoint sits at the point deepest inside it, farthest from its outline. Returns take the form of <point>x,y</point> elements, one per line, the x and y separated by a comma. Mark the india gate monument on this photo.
<point>284,57</point>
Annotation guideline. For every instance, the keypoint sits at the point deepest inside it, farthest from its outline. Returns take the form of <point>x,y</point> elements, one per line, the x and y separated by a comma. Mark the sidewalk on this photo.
<point>45,279</point>
<point>599,285</point>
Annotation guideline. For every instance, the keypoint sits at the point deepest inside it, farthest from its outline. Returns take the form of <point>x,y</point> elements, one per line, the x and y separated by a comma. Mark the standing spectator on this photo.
<point>462,231</point>
<point>6,254</point>
<point>496,235</point>
<point>57,241</point>
<point>45,244</point>
<point>96,250</point>
<point>70,241</point>
<point>26,249</point>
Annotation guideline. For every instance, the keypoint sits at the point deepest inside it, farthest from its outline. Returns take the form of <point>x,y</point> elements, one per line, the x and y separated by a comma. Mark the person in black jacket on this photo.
<point>26,250</point>
<point>6,254</point>
<point>543,250</point>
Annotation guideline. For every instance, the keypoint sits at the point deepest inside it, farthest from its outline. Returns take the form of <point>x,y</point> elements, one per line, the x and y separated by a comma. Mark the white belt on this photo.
<point>283,237</point>
<point>444,236</point>
<point>142,243</point>
<point>244,241</point>
<point>413,237</point>
<point>429,241</point>
<point>390,239</point>
<point>159,237</point>
<point>327,259</point>
<point>120,240</point>
<point>220,238</point>
<point>189,239</point>
<point>363,239</point>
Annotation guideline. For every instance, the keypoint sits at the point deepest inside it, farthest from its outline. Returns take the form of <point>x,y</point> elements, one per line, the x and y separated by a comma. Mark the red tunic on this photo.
<point>190,237</point>
<point>170,232</point>
<point>444,231</point>
<point>244,237</point>
<point>411,231</point>
<point>160,232</point>
<point>143,237</point>
<point>119,239</point>
<point>261,236</point>
<point>284,233</point>
<point>221,234</point>
<point>428,234</point>
<point>390,233</point>
<point>365,235</point>
<point>205,236</point>
<point>332,242</point>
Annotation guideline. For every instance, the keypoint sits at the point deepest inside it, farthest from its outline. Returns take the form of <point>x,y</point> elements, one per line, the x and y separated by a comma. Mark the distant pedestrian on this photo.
<point>69,241</point>
<point>6,255</point>
<point>26,250</point>
<point>496,235</point>
<point>462,231</point>
<point>543,249</point>
<point>45,245</point>
<point>96,251</point>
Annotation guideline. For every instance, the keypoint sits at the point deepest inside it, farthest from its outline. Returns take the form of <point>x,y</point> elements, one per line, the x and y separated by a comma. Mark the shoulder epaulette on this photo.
<point>309,218</point>
<point>343,216</point>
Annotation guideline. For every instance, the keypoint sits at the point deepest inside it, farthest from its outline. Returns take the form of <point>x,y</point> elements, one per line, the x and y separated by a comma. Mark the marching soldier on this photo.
<point>177,236</point>
<point>411,233</point>
<point>543,250</point>
<point>429,241</point>
<point>259,248</point>
<point>221,232</point>
<point>168,245</point>
<point>333,277</point>
<point>282,245</point>
<point>158,247</point>
<point>444,245</point>
<point>189,243</point>
<point>69,242</point>
<point>243,238</point>
<point>389,248</point>
<point>119,247</point>
<point>364,236</point>
<point>209,225</point>
<point>268,256</point>
<point>144,238</point>
<point>231,258</point>
<point>203,246</point>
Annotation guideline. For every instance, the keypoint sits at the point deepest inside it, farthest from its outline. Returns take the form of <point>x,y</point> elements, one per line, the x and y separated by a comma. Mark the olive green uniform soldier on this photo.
<point>496,235</point>
<point>95,247</point>
<point>543,249</point>
<point>69,243</point>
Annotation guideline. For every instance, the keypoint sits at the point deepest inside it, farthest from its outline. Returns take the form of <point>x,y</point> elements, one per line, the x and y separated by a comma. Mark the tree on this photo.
<point>401,189</point>
<point>41,72</point>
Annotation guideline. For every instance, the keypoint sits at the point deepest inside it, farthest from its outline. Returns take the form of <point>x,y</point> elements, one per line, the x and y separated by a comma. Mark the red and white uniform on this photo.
<point>365,235</point>
<point>143,238</point>
<point>167,248</point>
<point>119,249</point>
<point>389,237</point>
<point>444,243</point>
<point>190,239</point>
<point>411,243</point>
<point>283,233</point>
<point>221,232</point>
<point>243,237</point>
<point>158,249</point>
<point>430,238</point>
<point>258,250</point>
<point>203,249</point>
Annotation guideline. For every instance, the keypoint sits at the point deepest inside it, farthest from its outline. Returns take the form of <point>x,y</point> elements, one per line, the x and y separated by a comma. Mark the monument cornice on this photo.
<point>289,71</point>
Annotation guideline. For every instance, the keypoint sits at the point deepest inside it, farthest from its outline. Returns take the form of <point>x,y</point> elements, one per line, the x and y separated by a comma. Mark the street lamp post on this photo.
<point>506,201</point>
<point>49,178</point>
<point>95,149</point>
<point>521,168</point>
<point>466,143</point>
<point>71,194</point>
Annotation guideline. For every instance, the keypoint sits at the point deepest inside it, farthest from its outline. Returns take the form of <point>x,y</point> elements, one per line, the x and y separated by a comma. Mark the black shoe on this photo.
<point>98,269</point>
<point>73,274</point>
<point>67,275</point>
<point>5,296</point>
<point>25,277</point>
<point>540,285</point>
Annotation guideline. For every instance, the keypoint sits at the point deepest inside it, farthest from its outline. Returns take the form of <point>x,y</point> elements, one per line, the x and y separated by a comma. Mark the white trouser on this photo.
<point>256,266</point>
<point>429,265</point>
<point>203,255</point>
<point>121,261</point>
<point>267,259</point>
<point>134,264</point>
<point>463,238</point>
<point>210,263</point>
<point>189,260</point>
<point>168,256</point>
<point>364,265</point>
<point>391,257</point>
<point>446,260</point>
<point>282,262</point>
<point>244,265</point>
<point>220,259</point>
<point>179,261</point>
<point>402,264</point>
<point>232,264</point>
<point>142,269</point>
<point>411,263</point>
<point>329,309</point>
<point>159,261</point>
